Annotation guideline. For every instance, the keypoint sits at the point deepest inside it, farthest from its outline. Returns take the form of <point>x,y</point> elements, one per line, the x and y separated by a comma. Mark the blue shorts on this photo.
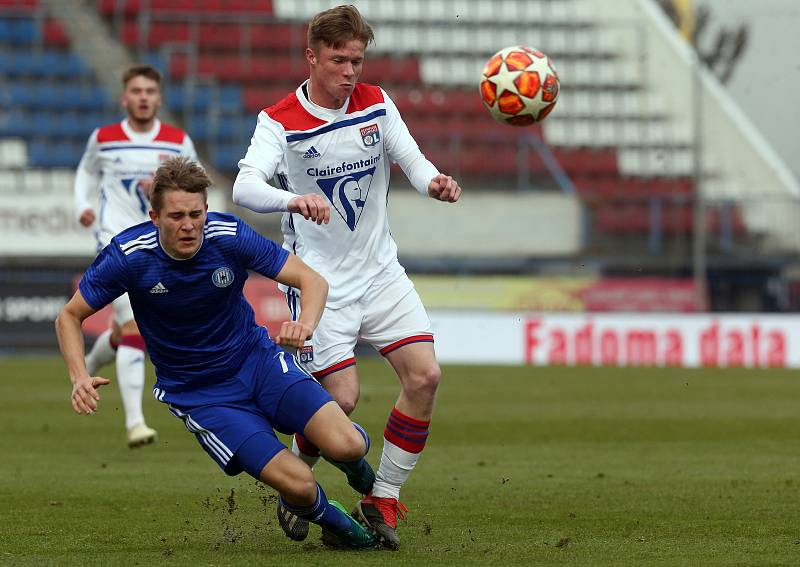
<point>234,420</point>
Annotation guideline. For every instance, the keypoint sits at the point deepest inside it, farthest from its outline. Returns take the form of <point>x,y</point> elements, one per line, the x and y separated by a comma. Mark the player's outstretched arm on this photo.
<point>313,293</point>
<point>444,188</point>
<point>70,342</point>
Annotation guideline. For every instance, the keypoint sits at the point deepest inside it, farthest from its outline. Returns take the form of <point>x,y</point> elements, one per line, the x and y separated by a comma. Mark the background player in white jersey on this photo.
<point>120,160</point>
<point>216,369</point>
<point>329,145</point>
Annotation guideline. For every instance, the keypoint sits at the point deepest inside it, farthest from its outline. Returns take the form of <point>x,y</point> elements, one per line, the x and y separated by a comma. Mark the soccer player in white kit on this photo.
<point>328,146</point>
<point>120,160</point>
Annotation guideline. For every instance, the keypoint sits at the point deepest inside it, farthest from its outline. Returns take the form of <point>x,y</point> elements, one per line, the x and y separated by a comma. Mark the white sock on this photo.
<point>130,376</point>
<point>102,353</point>
<point>307,459</point>
<point>396,465</point>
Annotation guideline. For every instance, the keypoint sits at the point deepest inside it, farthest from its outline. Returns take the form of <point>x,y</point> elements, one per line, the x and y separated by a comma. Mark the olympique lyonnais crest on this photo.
<point>370,135</point>
<point>306,353</point>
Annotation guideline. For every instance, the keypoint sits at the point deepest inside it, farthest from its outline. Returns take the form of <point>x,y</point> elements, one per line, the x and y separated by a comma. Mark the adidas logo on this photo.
<point>158,288</point>
<point>311,153</point>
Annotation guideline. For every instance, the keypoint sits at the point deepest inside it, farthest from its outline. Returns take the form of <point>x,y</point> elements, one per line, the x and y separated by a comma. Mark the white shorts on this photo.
<point>123,312</point>
<point>389,315</point>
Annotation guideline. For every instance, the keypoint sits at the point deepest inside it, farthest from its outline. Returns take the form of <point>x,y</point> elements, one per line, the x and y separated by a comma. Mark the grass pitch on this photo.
<point>524,466</point>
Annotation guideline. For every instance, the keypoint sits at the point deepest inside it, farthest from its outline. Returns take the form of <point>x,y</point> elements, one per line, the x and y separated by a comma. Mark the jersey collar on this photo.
<point>196,252</point>
<point>135,136</point>
<point>326,114</point>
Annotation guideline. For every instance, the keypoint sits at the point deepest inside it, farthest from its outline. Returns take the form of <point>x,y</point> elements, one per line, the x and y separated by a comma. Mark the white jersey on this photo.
<point>119,159</point>
<point>344,155</point>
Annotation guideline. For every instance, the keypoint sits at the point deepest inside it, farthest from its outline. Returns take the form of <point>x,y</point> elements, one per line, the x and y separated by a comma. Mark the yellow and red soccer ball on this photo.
<point>519,85</point>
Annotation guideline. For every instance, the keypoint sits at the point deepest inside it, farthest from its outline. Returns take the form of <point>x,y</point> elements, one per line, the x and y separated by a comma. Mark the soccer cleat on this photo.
<point>295,527</point>
<point>359,473</point>
<point>354,537</point>
<point>140,435</point>
<point>381,515</point>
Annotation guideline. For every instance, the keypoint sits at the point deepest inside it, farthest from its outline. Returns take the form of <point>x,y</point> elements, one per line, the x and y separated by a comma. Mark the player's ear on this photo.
<point>311,57</point>
<point>154,216</point>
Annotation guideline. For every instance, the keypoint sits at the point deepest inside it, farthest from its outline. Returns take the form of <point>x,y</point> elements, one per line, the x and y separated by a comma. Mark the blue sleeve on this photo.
<point>260,254</point>
<point>104,281</point>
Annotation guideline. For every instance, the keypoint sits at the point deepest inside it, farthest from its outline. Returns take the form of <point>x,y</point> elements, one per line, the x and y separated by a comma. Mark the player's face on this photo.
<point>334,72</point>
<point>141,99</point>
<point>180,222</point>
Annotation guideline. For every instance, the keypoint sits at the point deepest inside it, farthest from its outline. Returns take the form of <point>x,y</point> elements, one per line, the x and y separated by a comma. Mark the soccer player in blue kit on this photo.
<point>216,369</point>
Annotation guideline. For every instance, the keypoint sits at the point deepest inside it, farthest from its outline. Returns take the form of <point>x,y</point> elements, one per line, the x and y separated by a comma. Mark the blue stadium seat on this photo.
<point>15,123</point>
<point>230,98</point>
<point>22,31</point>
<point>226,156</point>
<point>22,94</point>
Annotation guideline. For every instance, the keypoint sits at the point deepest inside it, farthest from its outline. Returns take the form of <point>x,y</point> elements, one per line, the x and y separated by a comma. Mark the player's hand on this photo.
<point>444,188</point>
<point>87,217</point>
<point>84,394</point>
<point>293,334</point>
<point>312,207</point>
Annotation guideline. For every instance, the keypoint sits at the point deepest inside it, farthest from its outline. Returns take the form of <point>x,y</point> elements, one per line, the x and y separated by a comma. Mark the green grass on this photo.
<point>524,466</point>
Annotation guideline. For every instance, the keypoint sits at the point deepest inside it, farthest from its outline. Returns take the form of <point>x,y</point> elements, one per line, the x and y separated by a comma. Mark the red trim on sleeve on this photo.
<point>406,341</point>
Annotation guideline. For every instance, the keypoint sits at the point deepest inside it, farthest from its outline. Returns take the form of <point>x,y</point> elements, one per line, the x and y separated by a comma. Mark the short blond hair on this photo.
<point>178,174</point>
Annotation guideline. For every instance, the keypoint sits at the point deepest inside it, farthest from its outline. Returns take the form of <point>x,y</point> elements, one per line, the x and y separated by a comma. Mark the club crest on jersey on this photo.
<point>348,194</point>
<point>370,135</point>
<point>164,157</point>
<point>222,277</point>
<point>305,353</point>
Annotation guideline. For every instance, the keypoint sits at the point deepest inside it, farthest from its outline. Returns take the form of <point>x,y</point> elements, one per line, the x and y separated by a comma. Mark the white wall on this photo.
<point>766,81</point>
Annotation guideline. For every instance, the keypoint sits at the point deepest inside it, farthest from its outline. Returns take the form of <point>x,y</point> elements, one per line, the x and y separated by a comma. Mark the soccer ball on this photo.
<point>519,85</point>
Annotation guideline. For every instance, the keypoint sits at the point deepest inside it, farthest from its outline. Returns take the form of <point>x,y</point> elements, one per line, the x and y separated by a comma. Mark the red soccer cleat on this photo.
<point>381,515</point>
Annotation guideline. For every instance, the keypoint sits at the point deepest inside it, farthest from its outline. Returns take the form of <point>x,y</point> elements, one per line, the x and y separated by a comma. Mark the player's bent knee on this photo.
<point>349,448</point>
<point>425,381</point>
<point>293,479</point>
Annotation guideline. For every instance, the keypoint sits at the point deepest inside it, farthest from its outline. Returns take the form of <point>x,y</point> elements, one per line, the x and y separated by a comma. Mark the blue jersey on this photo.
<point>194,318</point>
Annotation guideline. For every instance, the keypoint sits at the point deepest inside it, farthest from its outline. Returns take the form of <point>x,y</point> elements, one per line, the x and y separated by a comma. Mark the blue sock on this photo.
<point>321,512</point>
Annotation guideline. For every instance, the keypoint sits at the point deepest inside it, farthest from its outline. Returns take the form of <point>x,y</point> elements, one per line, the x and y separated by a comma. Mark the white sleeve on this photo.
<point>251,190</point>
<point>267,148</point>
<point>188,148</point>
<point>87,177</point>
<point>403,150</point>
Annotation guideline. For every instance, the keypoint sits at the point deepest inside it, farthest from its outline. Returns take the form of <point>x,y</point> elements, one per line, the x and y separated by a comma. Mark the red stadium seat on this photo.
<point>54,34</point>
<point>109,8</point>
<point>19,4</point>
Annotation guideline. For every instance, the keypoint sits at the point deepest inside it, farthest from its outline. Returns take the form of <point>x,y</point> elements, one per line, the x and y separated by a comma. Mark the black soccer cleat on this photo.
<point>295,527</point>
